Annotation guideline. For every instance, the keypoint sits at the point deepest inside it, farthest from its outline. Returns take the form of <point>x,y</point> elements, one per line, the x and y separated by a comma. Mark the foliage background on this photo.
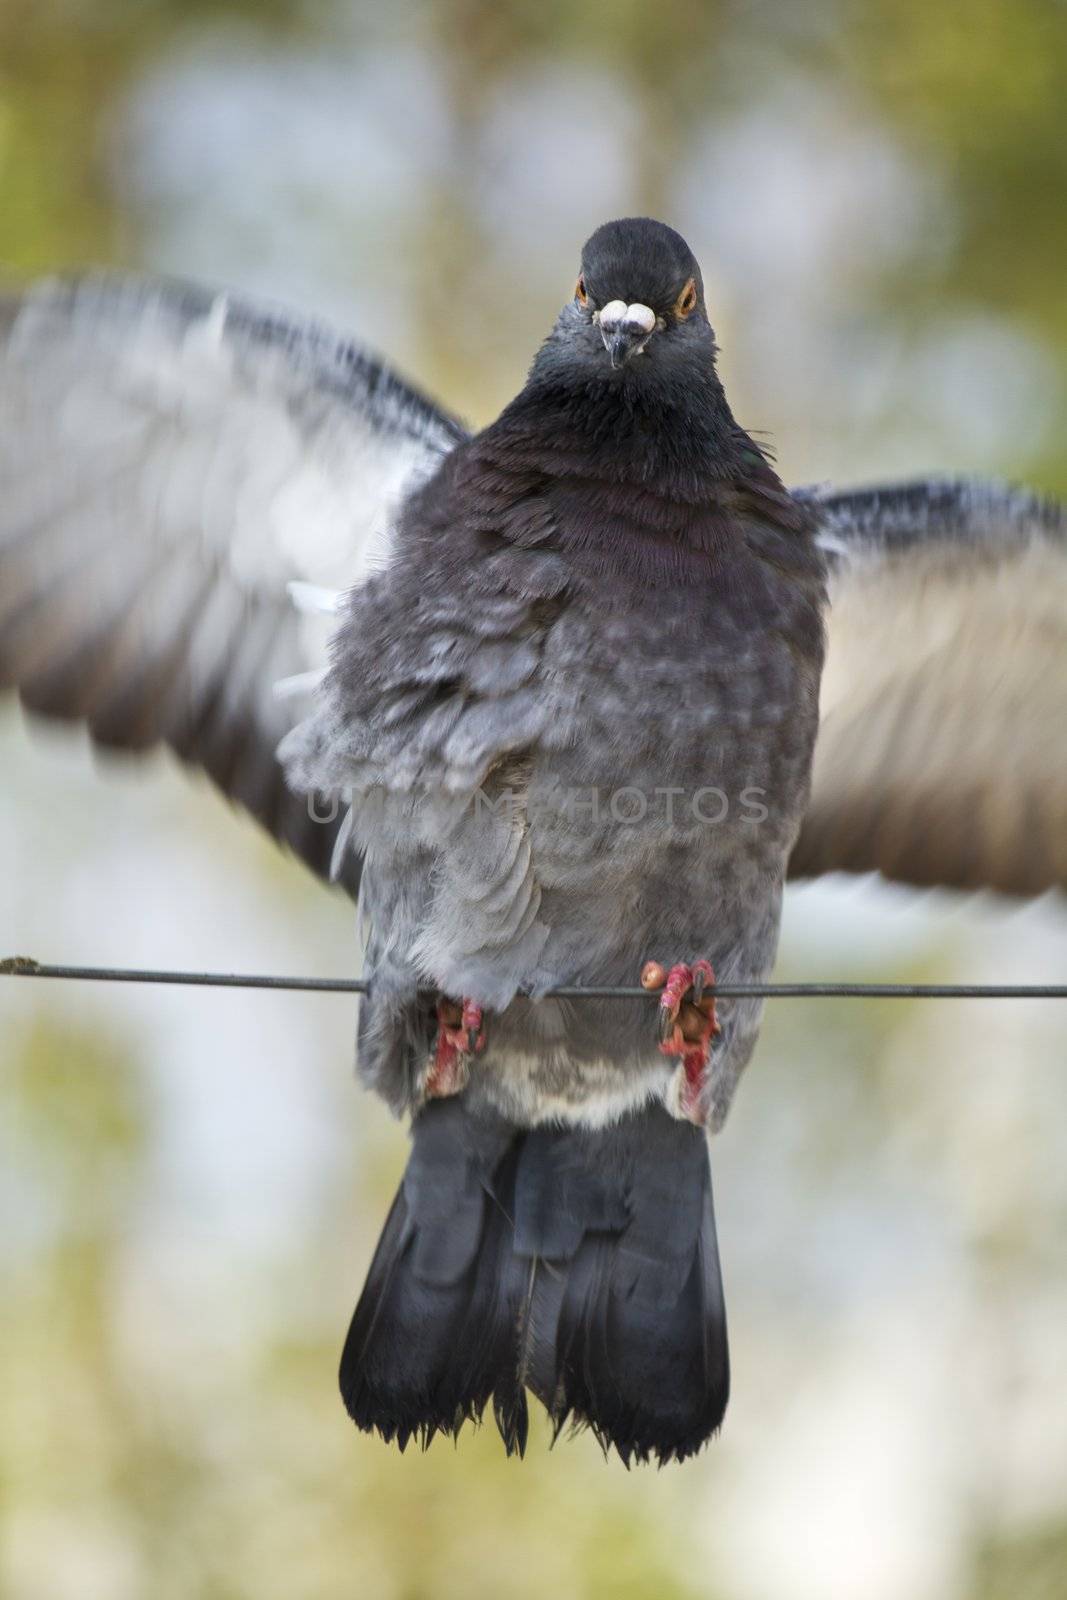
<point>189,1182</point>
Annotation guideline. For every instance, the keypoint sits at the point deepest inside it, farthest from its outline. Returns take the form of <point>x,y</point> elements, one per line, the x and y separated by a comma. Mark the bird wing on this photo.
<point>176,468</point>
<point>941,756</point>
<point>175,464</point>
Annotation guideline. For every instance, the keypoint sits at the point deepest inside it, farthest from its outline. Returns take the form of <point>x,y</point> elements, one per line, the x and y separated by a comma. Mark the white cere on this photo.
<point>613,313</point>
<point>618,314</point>
<point>643,316</point>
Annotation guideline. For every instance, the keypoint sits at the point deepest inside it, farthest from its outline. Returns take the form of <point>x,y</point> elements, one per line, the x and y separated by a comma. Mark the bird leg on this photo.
<point>460,1035</point>
<point>687,1025</point>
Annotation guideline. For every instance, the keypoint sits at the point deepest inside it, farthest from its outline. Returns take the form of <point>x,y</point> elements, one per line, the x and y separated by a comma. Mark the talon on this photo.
<point>460,1035</point>
<point>473,1023</point>
<point>687,1025</point>
<point>678,981</point>
<point>448,1071</point>
<point>702,976</point>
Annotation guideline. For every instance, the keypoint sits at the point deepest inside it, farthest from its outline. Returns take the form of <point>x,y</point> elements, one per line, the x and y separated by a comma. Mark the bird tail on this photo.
<point>578,1264</point>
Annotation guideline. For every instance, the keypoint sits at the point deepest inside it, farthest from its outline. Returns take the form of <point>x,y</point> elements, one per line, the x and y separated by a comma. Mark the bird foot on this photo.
<point>687,1025</point>
<point>460,1035</point>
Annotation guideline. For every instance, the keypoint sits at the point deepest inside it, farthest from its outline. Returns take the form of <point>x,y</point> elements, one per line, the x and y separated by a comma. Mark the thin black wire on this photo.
<point>27,967</point>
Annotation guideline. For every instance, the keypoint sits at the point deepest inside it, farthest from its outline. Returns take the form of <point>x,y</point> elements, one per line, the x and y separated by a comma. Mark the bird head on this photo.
<point>639,293</point>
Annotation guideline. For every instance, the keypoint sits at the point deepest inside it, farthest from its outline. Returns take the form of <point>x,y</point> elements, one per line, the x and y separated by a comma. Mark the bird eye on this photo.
<point>686,301</point>
<point>581,294</point>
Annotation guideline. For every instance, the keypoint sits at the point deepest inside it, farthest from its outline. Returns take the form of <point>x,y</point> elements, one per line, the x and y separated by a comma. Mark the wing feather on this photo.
<point>171,461</point>
<point>942,757</point>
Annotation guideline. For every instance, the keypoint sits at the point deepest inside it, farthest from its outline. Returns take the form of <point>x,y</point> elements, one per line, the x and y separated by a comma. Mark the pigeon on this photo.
<point>563,704</point>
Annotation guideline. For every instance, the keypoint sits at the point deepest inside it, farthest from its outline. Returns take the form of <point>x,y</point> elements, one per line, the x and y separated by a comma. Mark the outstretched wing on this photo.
<point>942,752</point>
<point>172,463</point>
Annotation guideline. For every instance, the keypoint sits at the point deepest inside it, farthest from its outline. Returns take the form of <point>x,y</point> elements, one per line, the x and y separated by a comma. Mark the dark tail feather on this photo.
<point>579,1264</point>
<point>429,1340</point>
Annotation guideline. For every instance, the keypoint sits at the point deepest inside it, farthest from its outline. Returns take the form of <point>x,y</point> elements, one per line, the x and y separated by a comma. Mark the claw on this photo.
<point>460,1035</point>
<point>473,1024</point>
<point>678,982</point>
<point>448,1071</point>
<point>702,976</point>
<point>687,1025</point>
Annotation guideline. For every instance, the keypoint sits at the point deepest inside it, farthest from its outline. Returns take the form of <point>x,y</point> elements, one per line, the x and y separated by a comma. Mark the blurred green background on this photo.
<point>190,1184</point>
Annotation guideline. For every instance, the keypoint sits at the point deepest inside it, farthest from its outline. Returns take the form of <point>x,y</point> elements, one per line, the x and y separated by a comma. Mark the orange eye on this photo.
<point>686,301</point>
<point>581,293</point>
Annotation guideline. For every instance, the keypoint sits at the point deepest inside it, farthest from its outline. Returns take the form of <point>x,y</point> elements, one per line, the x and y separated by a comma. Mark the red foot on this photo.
<point>460,1034</point>
<point>687,1025</point>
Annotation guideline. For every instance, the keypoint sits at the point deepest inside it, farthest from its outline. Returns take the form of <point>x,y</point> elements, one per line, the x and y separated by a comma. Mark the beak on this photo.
<point>625,330</point>
<point>622,345</point>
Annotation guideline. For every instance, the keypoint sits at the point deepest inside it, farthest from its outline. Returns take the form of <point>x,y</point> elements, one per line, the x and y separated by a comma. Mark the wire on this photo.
<point>27,967</point>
